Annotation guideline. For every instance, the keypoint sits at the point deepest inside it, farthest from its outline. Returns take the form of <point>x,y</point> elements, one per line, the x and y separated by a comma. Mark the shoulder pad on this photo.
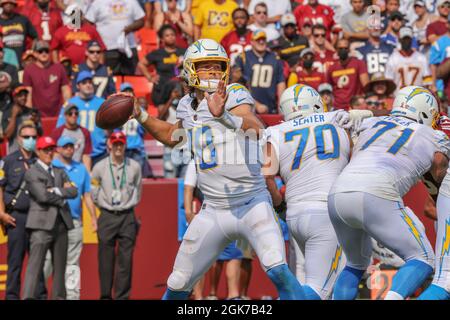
<point>237,94</point>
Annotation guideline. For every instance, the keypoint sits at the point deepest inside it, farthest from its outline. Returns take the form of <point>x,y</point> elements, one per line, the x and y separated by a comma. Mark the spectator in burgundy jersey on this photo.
<point>47,82</point>
<point>45,19</point>
<point>439,27</point>
<point>324,57</point>
<point>16,28</point>
<point>382,87</point>
<point>237,41</point>
<point>180,21</point>
<point>72,43</point>
<point>348,76</point>
<point>306,74</point>
<point>71,128</point>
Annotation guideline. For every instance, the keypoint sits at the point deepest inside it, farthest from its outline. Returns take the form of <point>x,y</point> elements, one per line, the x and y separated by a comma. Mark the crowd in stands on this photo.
<point>60,60</point>
<point>356,53</point>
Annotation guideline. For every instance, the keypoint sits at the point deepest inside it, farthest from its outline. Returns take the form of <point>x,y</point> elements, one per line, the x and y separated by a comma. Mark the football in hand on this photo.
<point>114,111</point>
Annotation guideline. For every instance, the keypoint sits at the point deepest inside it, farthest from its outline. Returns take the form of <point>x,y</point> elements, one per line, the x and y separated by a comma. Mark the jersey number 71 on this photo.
<point>384,127</point>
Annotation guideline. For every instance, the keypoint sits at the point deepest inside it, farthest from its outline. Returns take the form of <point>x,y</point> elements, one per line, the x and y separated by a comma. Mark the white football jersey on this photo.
<point>408,71</point>
<point>228,163</point>
<point>390,156</point>
<point>445,185</point>
<point>312,152</point>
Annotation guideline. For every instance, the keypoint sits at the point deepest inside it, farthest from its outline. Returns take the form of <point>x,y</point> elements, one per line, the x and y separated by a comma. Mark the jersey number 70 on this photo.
<point>322,154</point>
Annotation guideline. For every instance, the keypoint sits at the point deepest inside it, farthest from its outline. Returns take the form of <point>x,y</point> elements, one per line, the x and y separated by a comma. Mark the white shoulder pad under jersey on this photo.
<point>237,94</point>
<point>390,156</point>
<point>312,152</point>
<point>228,165</point>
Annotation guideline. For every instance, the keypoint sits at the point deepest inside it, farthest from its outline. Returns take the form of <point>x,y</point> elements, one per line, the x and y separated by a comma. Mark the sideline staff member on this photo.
<point>116,189</point>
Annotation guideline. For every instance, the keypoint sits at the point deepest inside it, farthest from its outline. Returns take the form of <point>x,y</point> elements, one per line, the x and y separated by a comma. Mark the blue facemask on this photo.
<point>29,144</point>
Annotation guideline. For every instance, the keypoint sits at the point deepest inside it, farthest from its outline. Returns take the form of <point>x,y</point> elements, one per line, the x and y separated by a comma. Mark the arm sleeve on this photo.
<point>111,87</point>
<point>27,78</point>
<point>95,183</point>
<point>38,190</point>
<point>91,13</point>
<point>61,119</point>
<point>198,18</point>
<point>435,54</point>
<point>279,72</point>
<point>190,179</point>
<point>138,13</point>
<point>71,192</point>
<point>87,141</point>
<point>442,142</point>
<point>237,94</point>
<point>31,31</point>
<point>64,78</point>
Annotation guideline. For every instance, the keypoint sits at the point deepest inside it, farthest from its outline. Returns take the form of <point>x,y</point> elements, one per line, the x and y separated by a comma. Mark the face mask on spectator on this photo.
<point>406,44</point>
<point>29,144</point>
<point>343,54</point>
<point>308,64</point>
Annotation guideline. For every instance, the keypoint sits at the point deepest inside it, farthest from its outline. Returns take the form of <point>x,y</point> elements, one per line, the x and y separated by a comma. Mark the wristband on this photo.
<point>230,121</point>
<point>143,116</point>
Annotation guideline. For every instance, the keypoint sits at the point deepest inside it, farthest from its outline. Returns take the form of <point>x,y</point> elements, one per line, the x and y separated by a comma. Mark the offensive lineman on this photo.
<point>440,288</point>
<point>310,149</point>
<point>237,204</point>
<point>391,154</point>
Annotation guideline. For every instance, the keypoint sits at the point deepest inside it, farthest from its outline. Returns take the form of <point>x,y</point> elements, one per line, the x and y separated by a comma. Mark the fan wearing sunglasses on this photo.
<point>71,128</point>
<point>46,82</point>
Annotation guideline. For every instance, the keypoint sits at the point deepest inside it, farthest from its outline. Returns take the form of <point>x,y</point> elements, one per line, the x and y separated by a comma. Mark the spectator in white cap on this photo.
<point>326,92</point>
<point>260,17</point>
<point>306,73</point>
<point>408,67</point>
<point>290,43</point>
<point>439,27</point>
<point>424,18</point>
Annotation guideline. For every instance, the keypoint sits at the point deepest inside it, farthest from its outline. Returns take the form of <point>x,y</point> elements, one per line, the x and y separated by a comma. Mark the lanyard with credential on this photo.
<point>122,180</point>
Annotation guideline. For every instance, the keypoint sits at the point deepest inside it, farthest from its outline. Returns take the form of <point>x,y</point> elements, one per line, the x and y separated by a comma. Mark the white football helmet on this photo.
<point>205,50</point>
<point>418,104</point>
<point>300,100</point>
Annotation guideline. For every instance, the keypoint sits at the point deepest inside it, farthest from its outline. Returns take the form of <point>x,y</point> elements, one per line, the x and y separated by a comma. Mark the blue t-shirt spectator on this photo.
<point>440,50</point>
<point>79,175</point>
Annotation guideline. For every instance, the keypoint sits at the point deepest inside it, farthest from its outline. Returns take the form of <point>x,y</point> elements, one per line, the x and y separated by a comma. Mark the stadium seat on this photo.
<point>157,166</point>
<point>142,88</point>
<point>153,148</point>
<point>147,41</point>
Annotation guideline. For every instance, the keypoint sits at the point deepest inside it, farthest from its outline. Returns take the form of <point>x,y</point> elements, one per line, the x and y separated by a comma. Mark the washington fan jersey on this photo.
<point>390,156</point>
<point>234,44</point>
<point>228,163</point>
<point>410,70</point>
<point>312,152</point>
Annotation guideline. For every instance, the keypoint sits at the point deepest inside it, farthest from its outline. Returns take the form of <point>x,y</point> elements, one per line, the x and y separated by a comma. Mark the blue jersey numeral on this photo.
<point>203,147</point>
<point>386,126</point>
<point>322,154</point>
